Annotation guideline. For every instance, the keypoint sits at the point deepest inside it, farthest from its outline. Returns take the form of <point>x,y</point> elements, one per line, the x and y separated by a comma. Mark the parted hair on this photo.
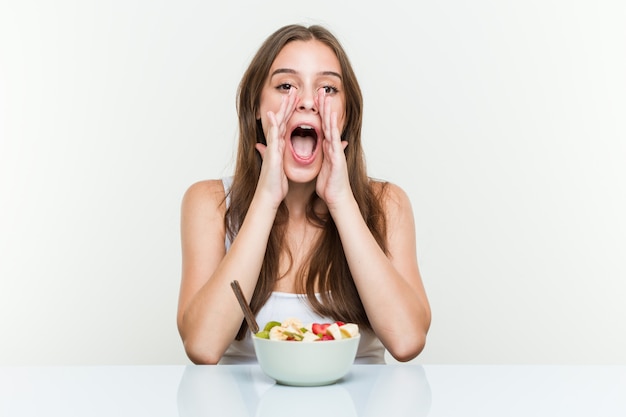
<point>325,268</point>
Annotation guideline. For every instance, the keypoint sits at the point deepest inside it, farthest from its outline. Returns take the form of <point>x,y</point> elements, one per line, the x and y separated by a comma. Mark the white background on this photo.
<point>504,121</point>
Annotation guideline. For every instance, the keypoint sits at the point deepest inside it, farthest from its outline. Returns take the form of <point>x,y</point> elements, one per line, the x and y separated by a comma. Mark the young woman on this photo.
<point>300,224</point>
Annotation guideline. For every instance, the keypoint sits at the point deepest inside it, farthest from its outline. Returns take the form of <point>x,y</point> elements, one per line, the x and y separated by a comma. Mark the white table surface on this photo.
<point>368,390</point>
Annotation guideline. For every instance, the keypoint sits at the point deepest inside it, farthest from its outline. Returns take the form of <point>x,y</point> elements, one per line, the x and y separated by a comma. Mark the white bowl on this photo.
<point>306,363</point>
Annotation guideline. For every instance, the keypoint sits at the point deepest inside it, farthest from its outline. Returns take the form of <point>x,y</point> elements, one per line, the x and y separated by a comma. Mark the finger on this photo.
<point>283,106</point>
<point>261,148</point>
<point>334,125</point>
<point>326,116</point>
<point>273,126</point>
<point>293,100</point>
<point>288,106</point>
<point>319,102</point>
<point>335,134</point>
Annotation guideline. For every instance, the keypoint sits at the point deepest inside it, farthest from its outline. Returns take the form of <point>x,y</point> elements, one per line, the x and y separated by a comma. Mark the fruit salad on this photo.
<point>293,330</point>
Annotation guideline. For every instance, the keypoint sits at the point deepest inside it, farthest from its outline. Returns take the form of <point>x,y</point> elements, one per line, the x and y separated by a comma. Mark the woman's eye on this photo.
<point>328,89</point>
<point>285,87</point>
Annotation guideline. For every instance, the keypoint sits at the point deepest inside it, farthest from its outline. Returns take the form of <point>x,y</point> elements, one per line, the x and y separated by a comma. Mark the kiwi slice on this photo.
<point>270,324</point>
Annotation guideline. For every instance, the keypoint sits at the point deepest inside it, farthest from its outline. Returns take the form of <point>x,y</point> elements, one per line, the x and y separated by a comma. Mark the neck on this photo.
<point>298,197</point>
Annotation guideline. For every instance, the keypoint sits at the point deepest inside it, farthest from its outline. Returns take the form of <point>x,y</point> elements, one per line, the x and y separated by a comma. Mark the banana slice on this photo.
<point>310,337</point>
<point>278,333</point>
<point>292,322</point>
<point>349,330</point>
<point>334,331</point>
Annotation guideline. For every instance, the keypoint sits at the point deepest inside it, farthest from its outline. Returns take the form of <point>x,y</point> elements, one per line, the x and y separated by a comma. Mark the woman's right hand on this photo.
<point>272,179</point>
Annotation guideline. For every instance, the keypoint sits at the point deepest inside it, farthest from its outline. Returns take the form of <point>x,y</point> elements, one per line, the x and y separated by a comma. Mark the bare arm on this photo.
<point>208,313</point>
<point>390,287</point>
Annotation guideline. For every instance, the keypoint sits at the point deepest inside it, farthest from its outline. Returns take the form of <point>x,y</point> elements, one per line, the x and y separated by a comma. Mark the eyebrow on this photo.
<point>291,71</point>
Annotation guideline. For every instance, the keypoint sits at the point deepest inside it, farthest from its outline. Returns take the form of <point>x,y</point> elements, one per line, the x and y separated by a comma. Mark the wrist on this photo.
<point>343,206</point>
<point>265,200</point>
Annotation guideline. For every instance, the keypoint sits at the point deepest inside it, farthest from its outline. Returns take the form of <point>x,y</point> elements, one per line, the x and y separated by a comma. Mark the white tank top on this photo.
<point>281,306</point>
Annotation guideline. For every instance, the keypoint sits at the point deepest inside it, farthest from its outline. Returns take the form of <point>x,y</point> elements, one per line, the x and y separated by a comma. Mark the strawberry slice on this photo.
<point>319,328</point>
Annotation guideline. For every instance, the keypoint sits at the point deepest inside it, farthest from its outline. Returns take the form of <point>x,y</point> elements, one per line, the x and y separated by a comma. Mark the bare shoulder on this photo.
<point>400,223</point>
<point>393,197</point>
<point>207,196</point>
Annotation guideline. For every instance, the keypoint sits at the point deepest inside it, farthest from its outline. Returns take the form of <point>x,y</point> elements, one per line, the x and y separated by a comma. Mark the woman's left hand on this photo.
<point>333,183</point>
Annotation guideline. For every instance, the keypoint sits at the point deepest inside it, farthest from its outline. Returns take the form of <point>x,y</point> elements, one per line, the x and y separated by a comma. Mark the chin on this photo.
<point>302,175</point>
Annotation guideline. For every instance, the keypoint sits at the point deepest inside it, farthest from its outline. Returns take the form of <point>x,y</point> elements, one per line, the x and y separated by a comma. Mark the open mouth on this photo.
<point>304,141</point>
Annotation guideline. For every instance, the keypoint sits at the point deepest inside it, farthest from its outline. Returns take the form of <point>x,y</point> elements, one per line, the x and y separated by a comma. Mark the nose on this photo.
<point>307,100</point>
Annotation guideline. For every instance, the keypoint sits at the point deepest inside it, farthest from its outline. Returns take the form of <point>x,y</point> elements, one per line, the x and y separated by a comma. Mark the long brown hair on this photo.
<point>328,269</point>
